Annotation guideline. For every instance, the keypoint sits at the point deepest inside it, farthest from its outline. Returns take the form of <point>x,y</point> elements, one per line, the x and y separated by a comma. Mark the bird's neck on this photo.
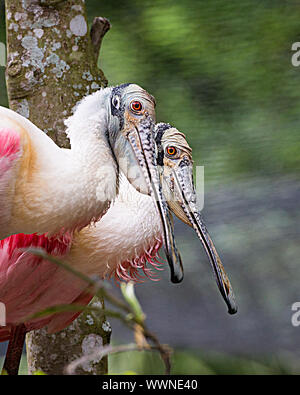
<point>123,241</point>
<point>87,127</point>
<point>93,164</point>
<point>70,187</point>
<point>93,180</point>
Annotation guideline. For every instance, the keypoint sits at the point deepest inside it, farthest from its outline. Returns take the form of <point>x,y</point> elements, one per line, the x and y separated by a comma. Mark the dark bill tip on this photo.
<point>183,183</point>
<point>232,310</point>
<point>177,273</point>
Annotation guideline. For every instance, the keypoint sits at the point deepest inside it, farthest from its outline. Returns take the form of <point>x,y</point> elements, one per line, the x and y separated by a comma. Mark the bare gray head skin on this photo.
<point>131,123</point>
<point>174,158</point>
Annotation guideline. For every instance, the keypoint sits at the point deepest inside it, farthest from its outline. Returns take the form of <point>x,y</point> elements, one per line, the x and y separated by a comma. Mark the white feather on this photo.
<point>124,233</point>
<point>66,188</point>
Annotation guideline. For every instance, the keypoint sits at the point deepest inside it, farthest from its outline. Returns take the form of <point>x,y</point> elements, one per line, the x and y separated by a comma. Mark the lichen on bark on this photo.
<point>52,353</point>
<point>51,65</point>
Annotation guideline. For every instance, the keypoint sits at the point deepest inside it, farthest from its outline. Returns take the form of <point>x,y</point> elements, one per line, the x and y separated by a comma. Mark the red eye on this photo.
<point>136,106</point>
<point>171,150</point>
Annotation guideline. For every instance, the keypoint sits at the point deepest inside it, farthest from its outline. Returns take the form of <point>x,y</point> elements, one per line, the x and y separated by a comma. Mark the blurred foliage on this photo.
<point>220,71</point>
<point>190,362</point>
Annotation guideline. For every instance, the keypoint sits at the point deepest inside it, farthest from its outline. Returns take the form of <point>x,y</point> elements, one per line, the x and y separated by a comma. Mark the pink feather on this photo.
<point>29,284</point>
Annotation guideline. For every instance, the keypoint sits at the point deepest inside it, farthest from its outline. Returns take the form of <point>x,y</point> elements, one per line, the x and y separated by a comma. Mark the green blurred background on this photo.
<point>221,73</point>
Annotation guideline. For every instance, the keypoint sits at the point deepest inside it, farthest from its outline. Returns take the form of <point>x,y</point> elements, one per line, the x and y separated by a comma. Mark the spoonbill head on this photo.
<point>176,164</point>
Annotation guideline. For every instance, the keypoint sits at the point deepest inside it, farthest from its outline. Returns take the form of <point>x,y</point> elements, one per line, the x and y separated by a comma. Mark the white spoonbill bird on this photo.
<point>121,244</point>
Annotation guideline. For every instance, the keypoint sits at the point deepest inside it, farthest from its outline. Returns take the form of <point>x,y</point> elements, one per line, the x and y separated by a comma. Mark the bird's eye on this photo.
<point>136,106</point>
<point>171,151</point>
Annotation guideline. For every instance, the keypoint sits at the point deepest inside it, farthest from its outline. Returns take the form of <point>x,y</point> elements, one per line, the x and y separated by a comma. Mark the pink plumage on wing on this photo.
<point>29,284</point>
<point>9,142</point>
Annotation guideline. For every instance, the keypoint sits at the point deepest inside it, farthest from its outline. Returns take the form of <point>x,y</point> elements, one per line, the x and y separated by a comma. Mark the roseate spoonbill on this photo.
<point>121,244</point>
<point>46,189</point>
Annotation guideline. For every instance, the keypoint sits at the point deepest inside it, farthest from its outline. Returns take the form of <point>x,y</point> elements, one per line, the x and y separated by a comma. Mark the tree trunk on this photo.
<point>51,353</point>
<point>51,64</point>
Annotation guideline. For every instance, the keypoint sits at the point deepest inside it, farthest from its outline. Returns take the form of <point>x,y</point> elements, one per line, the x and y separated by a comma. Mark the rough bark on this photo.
<point>51,64</point>
<point>51,353</point>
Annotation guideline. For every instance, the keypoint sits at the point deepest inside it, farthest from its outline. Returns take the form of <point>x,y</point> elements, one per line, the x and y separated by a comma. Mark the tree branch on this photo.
<point>99,28</point>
